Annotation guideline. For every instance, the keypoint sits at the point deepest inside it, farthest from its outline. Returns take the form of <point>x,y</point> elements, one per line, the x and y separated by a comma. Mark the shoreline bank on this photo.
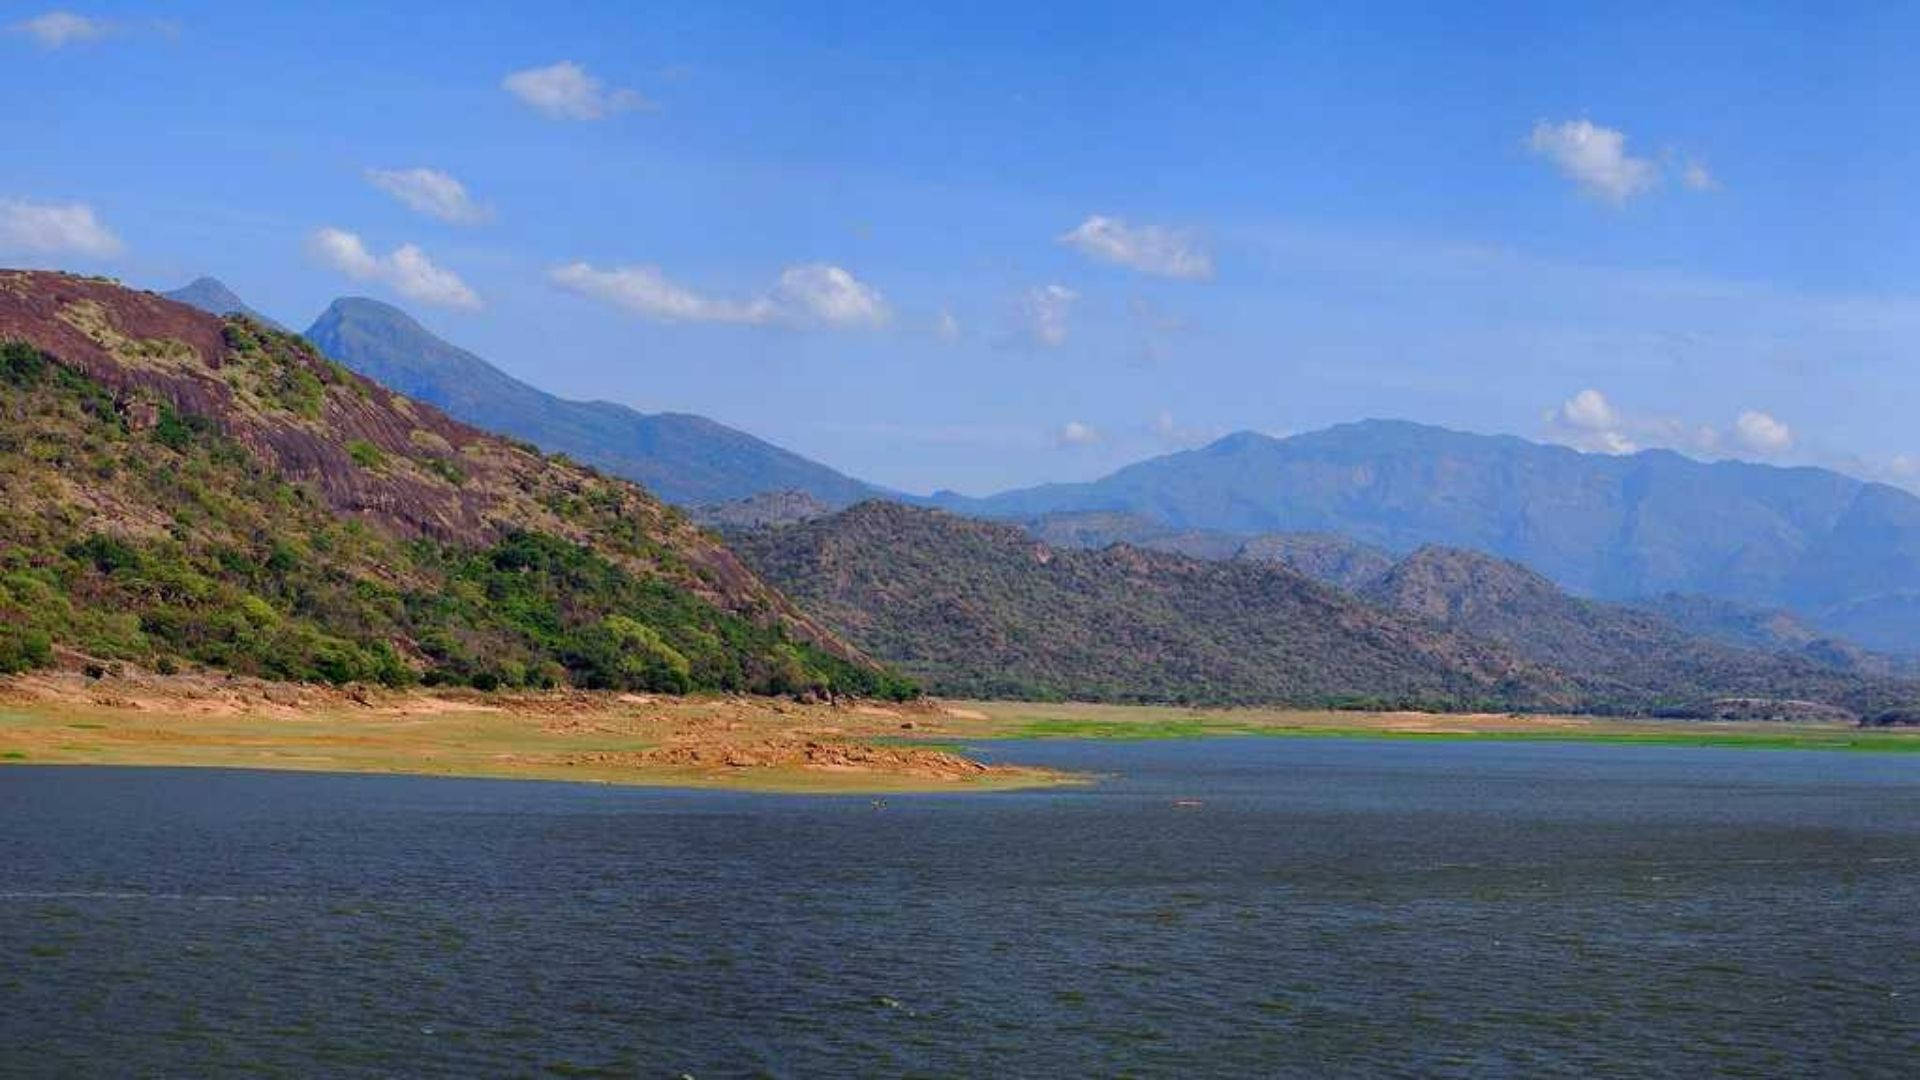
<point>737,743</point>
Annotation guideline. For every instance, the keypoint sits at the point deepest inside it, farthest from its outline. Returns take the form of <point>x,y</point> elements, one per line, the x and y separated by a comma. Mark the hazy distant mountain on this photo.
<point>980,608</point>
<point>1620,657</point>
<point>682,458</point>
<point>1841,552</point>
<point>209,295</point>
<point>1769,628</point>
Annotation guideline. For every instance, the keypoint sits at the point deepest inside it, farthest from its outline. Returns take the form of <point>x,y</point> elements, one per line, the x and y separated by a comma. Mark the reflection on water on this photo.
<point>1314,907</point>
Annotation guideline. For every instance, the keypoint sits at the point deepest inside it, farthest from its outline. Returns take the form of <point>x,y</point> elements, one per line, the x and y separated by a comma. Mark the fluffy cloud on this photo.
<point>1760,433</point>
<point>810,294</point>
<point>430,192</point>
<point>946,327</point>
<point>57,28</point>
<point>55,228</point>
<point>565,91</point>
<point>406,269</point>
<point>1150,249</point>
<point>1044,310</point>
<point>1596,158</point>
<point>1588,421</point>
<point>1076,433</point>
<point>827,294</point>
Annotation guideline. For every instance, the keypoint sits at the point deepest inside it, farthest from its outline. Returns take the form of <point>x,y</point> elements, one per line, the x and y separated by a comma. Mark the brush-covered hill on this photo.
<point>979,608</point>
<point>760,511</point>
<point>685,459</point>
<point>1620,657</point>
<point>1335,560</point>
<point>185,489</point>
<point>1841,552</point>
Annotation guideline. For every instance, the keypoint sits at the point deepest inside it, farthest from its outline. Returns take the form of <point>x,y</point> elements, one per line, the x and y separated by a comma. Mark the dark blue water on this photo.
<point>1334,908</point>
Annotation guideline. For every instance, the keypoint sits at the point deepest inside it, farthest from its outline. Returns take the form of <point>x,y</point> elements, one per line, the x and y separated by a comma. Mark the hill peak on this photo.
<point>685,459</point>
<point>212,296</point>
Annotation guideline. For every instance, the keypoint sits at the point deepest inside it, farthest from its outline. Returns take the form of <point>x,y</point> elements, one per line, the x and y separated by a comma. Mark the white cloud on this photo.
<point>57,28</point>
<point>565,91</point>
<point>1696,177</point>
<point>430,192</point>
<point>810,294</point>
<point>1076,433</point>
<point>946,327</point>
<point>1759,433</point>
<point>1044,310</point>
<point>827,294</point>
<point>1588,421</point>
<point>1150,249</point>
<point>645,291</point>
<point>1596,158</point>
<point>54,228</point>
<point>406,270</point>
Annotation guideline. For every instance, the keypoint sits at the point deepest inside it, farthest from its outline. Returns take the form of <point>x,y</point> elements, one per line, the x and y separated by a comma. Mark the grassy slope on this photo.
<point>229,498</point>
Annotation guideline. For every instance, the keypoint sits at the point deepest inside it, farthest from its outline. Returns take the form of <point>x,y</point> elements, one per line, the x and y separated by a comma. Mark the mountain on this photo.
<point>211,296</point>
<point>760,511</point>
<point>1098,529</point>
<point>1337,560</point>
<point>1621,658</point>
<point>1770,629</point>
<point>1842,553</point>
<point>182,488</point>
<point>980,608</point>
<point>1324,557</point>
<point>687,460</point>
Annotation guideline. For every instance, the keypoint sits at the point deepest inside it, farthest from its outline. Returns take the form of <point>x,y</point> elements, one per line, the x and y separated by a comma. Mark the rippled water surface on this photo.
<point>1333,907</point>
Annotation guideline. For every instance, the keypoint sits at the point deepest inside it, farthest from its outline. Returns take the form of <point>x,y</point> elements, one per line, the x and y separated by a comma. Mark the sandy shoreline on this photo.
<point>706,741</point>
<point>746,743</point>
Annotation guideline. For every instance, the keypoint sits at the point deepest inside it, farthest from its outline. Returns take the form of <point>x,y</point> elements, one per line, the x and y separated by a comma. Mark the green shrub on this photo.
<point>23,649</point>
<point>365,454</point>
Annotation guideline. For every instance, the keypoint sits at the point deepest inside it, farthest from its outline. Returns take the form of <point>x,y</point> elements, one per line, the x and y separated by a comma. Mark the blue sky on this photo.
<point>1001,245</point>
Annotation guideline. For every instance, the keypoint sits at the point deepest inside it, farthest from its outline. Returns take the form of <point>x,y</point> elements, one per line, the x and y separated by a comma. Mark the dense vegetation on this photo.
<point>138,532</point>
<point>976,608</point>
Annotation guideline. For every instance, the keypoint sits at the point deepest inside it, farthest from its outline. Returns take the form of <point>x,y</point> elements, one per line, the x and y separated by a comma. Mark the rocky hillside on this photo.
<point>1621,658</point>
<point>1842,553</point>
<point>686,460</point>
<point>977,608</point>
<point>187,489</point>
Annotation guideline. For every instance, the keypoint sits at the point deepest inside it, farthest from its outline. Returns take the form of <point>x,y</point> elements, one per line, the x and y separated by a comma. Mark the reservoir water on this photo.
<point>1239,907</point>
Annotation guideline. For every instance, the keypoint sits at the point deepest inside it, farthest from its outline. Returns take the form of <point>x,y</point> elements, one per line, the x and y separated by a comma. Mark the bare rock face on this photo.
<point>360,450</point>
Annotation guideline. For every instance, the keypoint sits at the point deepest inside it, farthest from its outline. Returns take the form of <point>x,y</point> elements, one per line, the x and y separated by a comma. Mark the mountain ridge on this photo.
<point>684,458</point>
<point>212,296</point>
<point>1842,552</point>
